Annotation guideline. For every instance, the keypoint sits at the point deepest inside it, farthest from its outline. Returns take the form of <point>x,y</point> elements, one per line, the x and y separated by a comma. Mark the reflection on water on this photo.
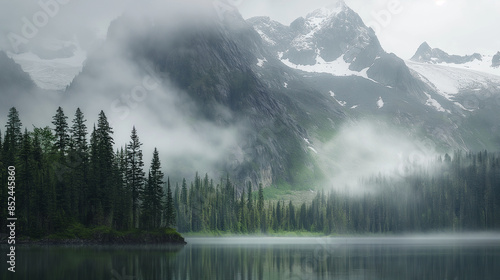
<point>270,258</point>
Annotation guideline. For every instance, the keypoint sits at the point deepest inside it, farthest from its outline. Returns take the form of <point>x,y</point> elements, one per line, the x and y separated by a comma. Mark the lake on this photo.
<point>406,257</point>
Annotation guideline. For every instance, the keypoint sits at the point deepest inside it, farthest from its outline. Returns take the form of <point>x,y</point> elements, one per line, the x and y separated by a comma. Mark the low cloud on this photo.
<point>364,149</point>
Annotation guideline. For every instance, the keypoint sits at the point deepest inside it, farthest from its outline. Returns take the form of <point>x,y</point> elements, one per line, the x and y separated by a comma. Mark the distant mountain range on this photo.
<point>293,86</point>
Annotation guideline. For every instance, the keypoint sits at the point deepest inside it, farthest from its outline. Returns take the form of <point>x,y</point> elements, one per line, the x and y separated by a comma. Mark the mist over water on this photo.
<point>473,256</point>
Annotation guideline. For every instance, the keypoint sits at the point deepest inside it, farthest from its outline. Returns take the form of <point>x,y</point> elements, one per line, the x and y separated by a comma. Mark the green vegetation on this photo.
<point>102,234</point>
<point>69,187</point>
<point>456,194</point>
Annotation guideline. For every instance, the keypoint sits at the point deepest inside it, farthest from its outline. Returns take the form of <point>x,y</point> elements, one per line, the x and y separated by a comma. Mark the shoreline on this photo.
<point>106,236</point>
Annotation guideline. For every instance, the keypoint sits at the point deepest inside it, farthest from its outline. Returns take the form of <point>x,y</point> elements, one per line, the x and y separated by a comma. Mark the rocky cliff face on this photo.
<point>496,60</point>
<point>12,76</point>
<point>216,63</point>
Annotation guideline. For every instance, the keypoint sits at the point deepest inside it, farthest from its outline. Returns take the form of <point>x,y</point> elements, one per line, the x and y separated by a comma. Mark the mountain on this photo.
<point>495,61</point>
<point>12,77</point>
<point>267,103</point>
<point>482,63</point>
<point>215,65</point>
<point>340,56</point>
<point>333,40</point>
<point>427,54</point>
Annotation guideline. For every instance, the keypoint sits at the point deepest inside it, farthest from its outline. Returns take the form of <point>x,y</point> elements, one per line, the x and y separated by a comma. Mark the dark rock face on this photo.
<point>12,76</point>
<point>215,64</point>
<point>429,55</point>
<point>391,70</point>
<point>496,60</point>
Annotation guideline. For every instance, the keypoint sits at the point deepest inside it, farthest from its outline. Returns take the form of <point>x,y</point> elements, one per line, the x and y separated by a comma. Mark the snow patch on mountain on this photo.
<point>483,65</point>
<point>340,102</point>
<point>436,56</point>
<point>449,81</point>
<point>434,103</point>
<point>51,74</point>
<point>265,37</point>
<point>309,146</point>
<point>338,67</point>
<point>314,23</point>
<point>462,107</point>
<point>380,102</point>
<point>260,62</point>
<point>312,149</point>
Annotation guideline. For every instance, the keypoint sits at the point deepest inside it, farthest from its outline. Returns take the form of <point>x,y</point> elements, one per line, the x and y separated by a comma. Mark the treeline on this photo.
<point>63,176</point>
<point>456,194</point>
<point>66,176</point>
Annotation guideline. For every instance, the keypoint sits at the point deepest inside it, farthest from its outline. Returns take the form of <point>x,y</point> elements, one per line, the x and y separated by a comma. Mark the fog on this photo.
<point>327,242</point>
<point>363,149</point>
<point>132,94</point>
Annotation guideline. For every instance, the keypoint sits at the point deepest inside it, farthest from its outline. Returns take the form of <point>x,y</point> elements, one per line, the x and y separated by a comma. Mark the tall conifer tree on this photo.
<point>135,173</point>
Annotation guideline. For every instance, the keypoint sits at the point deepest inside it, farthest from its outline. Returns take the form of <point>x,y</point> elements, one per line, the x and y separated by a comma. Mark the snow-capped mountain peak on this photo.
<point>320,15</point>
<point>429,55</point>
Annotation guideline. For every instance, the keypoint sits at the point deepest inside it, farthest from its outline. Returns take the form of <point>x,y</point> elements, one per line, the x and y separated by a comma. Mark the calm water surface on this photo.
<point>411,257</point>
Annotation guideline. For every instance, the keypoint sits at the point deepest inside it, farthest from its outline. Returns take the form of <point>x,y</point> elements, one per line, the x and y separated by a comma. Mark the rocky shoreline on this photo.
<point>109,238</point>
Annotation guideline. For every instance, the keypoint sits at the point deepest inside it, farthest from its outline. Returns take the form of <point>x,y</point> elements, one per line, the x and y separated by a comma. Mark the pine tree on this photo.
<point>79,158</point>
<point>61,131</point>
<point>184,192</point>
<point>13,133</point>
<point>61,165</point>
<point>183,214</point>
<point>147,199</point>
<point>13,137</point>
<point>157,188</point>
<point>135,173</point>
<point>251,216</point>
<point>24,182</point>
<point>242,217</point>
<point>260,202</point>
<point>92,195</point>
<point>260,209</point>
<point>79,132</point>
<point>102,163</point>
<point>169,207</point>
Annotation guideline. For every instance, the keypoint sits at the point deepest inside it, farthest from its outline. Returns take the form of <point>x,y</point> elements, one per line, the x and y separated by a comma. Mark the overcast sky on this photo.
<point>456,26</point>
